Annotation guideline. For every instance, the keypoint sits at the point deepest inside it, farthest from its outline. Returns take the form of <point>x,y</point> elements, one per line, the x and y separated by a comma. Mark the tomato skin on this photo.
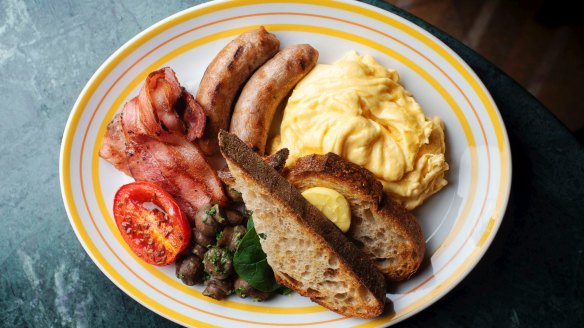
<point>154,236</point>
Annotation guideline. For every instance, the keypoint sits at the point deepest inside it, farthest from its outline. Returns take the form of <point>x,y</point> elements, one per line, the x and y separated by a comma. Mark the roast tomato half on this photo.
<point>151,222</point>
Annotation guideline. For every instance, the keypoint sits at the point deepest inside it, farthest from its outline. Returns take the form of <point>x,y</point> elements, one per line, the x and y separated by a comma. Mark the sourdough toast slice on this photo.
<point>307,252</point>
<point>277,161</point>
<point>383,229</point>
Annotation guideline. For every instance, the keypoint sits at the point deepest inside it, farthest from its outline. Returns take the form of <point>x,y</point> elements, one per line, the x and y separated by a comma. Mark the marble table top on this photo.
<point>532,275</point>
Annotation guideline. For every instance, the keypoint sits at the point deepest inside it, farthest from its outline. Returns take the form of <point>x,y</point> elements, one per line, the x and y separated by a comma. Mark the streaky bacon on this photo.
<point>171,161</point>
<point>160,94</point>
<point>150,135</point>
<point>179,171</point>
<point>194,116</point>
<point>113,148</point>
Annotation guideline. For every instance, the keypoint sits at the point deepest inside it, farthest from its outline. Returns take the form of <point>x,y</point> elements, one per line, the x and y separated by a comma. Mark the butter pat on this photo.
<point>332,204</point>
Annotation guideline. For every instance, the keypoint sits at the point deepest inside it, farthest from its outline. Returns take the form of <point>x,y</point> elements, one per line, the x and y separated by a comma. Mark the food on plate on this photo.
<point>189,269</point>
<point>113,148</point>
<point>225,77</point>
<point>265,90</point>
<point>321,225</point>
<point>148,140</point>
<point>387,233</point>
<point>231,237</point>
<point>218,262</point>
<point>151,222</point>
<point>217,233</point>
<point>277,161</point>
<point>251,262</point>
<point>151,145</point>
<point>245,290</point>
<point>357,109</point>
<point>251,265</point>
<point>332,204</point>
<point>307,252</point>
<point>218,288</point>
<point>171,107</point>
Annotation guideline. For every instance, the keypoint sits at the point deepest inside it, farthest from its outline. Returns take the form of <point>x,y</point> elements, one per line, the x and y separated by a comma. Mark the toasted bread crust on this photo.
<point>365,194</point>
<point>276,160</point>
<point>405,224</point>
<point>356,179</point>
<point>248,166</point>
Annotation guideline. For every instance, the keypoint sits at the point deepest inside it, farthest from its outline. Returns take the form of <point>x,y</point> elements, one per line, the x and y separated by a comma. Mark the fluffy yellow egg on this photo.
<point>357,109</point>
<point>332,204</point>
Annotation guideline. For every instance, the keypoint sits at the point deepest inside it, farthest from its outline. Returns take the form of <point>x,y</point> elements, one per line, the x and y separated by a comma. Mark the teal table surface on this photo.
<point>532,275</point>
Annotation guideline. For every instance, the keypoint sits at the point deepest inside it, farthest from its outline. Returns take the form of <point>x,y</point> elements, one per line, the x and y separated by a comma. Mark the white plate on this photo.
<point>459,222</point>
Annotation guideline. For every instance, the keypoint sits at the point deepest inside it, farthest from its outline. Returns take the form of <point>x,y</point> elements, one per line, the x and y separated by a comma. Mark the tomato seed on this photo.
<point>129,230</point>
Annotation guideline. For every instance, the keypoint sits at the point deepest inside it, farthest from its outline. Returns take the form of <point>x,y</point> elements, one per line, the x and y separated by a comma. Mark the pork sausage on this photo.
<point>265,90</point>
<point>224,78</point>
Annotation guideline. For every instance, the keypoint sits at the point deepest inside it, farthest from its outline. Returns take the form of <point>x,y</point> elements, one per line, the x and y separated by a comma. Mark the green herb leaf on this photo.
<point>250,263</point>
<point>262,236</point>
<point>239,291</point>
<point>212,211</point>
<point>250,223</point>
<point>283,290</point>
<point>219,235</point>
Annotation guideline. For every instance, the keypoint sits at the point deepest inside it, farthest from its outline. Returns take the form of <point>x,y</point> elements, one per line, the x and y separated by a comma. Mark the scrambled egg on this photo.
<point>332,204</point>
<point>357,109</point>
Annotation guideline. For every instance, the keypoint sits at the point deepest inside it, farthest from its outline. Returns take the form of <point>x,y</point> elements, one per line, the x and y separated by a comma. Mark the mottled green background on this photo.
<point>533,275</point>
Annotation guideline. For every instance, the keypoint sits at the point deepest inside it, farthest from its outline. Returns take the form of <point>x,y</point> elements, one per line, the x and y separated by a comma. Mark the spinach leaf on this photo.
<point>250,263</point>
<point>283,290</point>
<point>250,223</point>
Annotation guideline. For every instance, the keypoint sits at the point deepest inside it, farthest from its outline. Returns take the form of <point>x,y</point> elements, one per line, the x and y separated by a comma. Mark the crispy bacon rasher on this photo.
<point>148,141</point>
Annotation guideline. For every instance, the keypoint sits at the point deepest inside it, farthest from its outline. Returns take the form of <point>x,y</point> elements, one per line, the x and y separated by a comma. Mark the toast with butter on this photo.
<point>307,252</point>
<point>383,229</point>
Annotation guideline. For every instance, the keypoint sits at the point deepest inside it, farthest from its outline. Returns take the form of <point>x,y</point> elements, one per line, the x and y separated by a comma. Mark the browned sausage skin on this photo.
<point>265,90</point>
<point>225,76</point>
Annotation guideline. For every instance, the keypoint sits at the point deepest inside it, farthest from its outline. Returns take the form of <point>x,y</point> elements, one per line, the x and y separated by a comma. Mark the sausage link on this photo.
<point>225,76</point>
<point>265,90</point>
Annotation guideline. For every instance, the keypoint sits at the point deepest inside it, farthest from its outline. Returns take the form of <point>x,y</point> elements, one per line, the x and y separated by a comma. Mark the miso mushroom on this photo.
<point>218,262</point>
<point>231,237</point>
<point>202,239</point>
<point>218,288</point>
<point>189,270</point>
<point>199,251</point>
<point>217,213</point>
<point>234,217</point>
<point>244,290</point>
<point>206,224</point>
